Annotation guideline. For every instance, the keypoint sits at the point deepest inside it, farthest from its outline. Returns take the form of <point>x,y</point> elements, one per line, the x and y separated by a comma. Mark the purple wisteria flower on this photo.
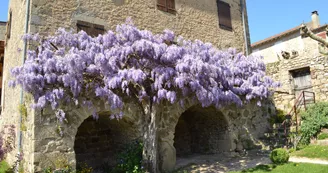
<point>134,63</point>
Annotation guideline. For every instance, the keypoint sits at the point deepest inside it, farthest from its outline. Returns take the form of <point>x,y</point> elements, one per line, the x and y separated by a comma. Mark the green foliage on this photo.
<point>84,168</point>
<point>130,159</point>
<point>322,136</point>
<point>291,150</point>
<point>313,119</point>
<point>5,168</point>
<point>278,118</point>
<point>286,168</point>
<point>23,111</point>
<point>279,156</point>
<point>313,151</point>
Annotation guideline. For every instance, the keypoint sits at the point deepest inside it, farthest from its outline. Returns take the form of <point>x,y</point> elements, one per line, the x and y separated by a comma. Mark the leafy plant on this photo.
<point>130,159</point>
<point>313,119</point>
<point>84,168</point>
<point>279,156</point>
<point>278,118</point>
<point>322,136</point>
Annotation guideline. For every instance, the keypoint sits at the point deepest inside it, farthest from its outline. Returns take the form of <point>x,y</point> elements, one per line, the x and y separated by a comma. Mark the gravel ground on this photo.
<point>221,163</point>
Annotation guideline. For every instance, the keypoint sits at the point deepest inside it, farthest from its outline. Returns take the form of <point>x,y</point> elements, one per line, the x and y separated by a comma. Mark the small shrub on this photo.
<point>322,136</point>
<point>130,159</point>
<point>279,156</point>
<point>313,119</point>
<point>278,118</point>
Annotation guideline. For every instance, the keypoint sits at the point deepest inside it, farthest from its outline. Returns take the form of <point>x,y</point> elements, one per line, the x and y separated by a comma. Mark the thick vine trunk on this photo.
<point>150,150</point>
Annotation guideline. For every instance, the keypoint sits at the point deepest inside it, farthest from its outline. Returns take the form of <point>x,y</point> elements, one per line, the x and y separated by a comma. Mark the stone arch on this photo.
<point>50,146</point>
<point>98,142</point>
<point>167,125</point>
<point>201,131</point>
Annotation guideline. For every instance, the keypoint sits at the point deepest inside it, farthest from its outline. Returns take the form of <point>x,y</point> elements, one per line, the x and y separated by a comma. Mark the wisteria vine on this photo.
<point>70,67</point>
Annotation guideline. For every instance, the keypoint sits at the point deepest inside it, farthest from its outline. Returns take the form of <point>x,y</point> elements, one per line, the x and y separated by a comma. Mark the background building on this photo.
<point>297,62</point>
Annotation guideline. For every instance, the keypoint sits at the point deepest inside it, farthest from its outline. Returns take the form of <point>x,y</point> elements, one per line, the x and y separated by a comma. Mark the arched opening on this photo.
<point>201,131</point>
<point>98,143</point>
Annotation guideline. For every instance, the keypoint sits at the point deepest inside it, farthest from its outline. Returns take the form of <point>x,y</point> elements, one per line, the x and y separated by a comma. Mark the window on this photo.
<point>302,80</point>
<point>91,29</point>
<point>8,30</point>
<point>224,15</point>
<point>166,5</point>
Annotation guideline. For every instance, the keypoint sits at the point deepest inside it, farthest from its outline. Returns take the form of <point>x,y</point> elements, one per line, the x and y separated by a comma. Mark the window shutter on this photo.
<point>170,6</point>
<point>91,29</point>
<point>161,5</point>
<point>224,15</point>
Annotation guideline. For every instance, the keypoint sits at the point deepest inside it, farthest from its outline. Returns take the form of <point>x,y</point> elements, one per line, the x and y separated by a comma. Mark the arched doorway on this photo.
<point>201,131</point>
<point>98,143</point>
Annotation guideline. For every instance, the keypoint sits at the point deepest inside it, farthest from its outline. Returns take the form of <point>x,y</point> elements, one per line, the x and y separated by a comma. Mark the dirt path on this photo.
<point>221,163</point>
<point>308,160</point>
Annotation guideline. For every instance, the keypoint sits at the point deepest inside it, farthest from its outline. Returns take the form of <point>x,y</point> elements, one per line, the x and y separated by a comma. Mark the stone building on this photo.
<point>2,47</point>
<point>223,23</point>
<point>297,62</point>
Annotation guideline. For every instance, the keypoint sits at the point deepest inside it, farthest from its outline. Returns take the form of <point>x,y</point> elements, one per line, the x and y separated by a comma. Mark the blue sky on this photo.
<point>266,17</point>
<point>270,17</point>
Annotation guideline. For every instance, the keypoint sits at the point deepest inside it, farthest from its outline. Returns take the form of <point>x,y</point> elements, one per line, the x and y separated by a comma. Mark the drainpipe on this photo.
<point>27,16</point>
<point>243,6</point>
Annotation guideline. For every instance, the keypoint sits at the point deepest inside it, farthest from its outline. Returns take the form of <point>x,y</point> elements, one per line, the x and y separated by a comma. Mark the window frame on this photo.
<point>226,23</point>
<point>100,29</point>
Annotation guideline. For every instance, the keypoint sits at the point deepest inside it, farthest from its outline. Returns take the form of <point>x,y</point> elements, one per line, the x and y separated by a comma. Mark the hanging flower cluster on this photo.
<point>131,63</point>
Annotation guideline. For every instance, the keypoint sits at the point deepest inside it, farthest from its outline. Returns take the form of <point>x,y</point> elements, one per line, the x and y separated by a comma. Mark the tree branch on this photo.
<point>305,31</point>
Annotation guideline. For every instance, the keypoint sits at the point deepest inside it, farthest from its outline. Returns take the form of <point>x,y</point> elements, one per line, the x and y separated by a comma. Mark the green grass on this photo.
<point>313,151</point>
<point>4,167</point>
<point>287,168</point>
<point>322,136</point>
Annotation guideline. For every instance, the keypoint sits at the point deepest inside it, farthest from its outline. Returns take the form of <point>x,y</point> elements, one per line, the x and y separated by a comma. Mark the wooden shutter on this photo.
<point>91,29</point>
<point>170,6</point>
<point>161,5</point>
<point>166,5</point>
<point>224,15</point>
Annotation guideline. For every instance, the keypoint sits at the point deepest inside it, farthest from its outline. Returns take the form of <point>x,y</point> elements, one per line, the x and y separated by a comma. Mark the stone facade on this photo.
<point>303,53</point>
<point>2,30</point>
<point>42,146</point>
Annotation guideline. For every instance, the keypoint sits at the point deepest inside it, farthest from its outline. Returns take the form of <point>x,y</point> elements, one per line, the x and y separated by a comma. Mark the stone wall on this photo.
<point>40,142</point>
<point>11,98</point>
<point>238,128</point>
<point>2,30</point>
<point>194,19</point>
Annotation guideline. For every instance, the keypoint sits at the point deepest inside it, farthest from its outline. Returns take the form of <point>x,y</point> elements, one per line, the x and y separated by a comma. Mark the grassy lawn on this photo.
<point>287,168</point>
<point>4,167</point>
<point>313,151</point>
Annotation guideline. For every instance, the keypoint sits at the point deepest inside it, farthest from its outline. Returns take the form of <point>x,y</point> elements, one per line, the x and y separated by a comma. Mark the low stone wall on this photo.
<point>181,130</point>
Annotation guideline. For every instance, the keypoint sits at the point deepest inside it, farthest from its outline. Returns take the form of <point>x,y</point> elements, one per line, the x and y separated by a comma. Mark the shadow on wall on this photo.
<point>201,131</point>
<point>98,142</point>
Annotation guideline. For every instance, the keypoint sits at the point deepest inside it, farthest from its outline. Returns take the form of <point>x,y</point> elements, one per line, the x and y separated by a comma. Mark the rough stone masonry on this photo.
<point>229,129</point>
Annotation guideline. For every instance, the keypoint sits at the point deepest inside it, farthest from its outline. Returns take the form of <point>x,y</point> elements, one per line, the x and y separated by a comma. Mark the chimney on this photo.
<point>315,19</point>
